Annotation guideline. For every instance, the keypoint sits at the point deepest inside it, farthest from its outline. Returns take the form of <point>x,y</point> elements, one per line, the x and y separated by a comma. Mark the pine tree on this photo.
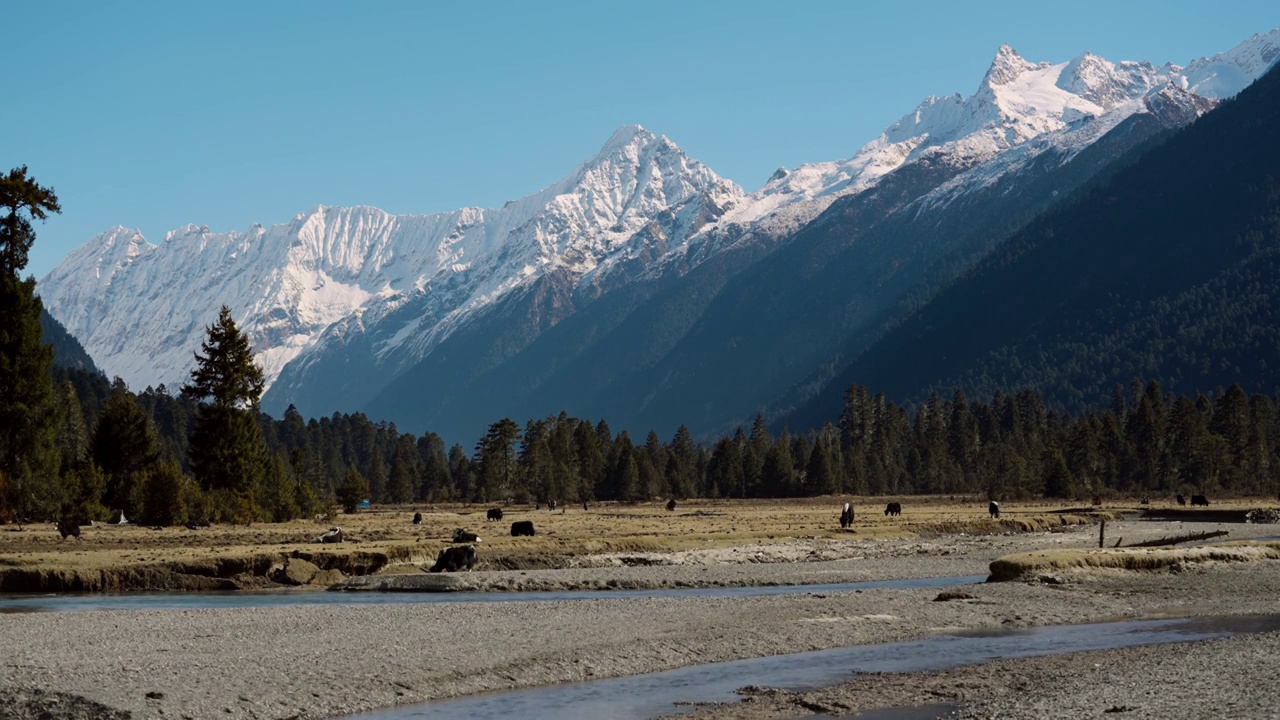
<point>279,490</point>
<point>228,455</point>
<point>1058,482</point>
<point>463,474</point>
<point>124,447</point>
<point>403,480</point>
<point>779,468</point>
<point>819,474</point>
<point>496,459</point>
<point>377,477</point>
<point>353,490</point>
<point>162,496</point>
<point>73,435</point>
<point>28,418</point>
<point>683,463</point>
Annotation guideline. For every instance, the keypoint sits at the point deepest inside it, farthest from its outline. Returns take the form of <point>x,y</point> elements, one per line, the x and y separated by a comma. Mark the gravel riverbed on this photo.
<point>317,661</point>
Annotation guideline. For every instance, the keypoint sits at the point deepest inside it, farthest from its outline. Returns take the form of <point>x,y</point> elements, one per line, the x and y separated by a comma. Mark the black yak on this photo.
<point>67,529</point>
<point>522,527</point>
<point>453,559</point>
<point>993,507</point>
<point>671,505</point>
<point>846,516</point>
<point>494,514</point>
<point>417,518</point>
<point>893,508</point>
<point>1181,500</point>
<point>1199,500</point>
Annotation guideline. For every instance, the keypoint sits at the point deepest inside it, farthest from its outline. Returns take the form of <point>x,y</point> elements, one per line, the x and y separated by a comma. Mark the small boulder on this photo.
<point>296,571</point>
<point>948,595</point>
<point>328,577</point>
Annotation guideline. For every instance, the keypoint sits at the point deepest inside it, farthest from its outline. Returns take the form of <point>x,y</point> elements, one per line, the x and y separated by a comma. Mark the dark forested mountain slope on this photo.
<point>67,350</point>
<point>1167,271</point>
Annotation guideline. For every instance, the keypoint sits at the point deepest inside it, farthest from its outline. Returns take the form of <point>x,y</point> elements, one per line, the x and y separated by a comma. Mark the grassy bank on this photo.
<point>1033,564</point>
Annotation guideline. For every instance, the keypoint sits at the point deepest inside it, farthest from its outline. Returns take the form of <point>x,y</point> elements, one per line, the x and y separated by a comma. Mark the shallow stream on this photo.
<point>664,693</point>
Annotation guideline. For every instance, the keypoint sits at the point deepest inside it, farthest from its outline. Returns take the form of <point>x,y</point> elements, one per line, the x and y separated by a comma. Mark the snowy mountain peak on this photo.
<point>1227,73</point>
<point>627,135</point>
<point>1006,67</point>
<point>1107,84</point>
<point>337,270</point>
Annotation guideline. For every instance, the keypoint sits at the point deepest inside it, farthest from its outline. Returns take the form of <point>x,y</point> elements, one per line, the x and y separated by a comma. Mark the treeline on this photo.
<point>1146,442</point>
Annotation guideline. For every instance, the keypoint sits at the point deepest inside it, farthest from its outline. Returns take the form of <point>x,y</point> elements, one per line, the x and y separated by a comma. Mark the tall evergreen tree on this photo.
<point>353,490</point>
<point>496,459</point>
<point>124,447</point>
<point>228,455</point>
<point>28,419</point>
<point>403,480</point>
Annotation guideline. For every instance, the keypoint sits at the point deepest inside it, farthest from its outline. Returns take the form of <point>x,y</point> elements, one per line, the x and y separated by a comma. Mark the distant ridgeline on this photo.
<point>1147,442</point>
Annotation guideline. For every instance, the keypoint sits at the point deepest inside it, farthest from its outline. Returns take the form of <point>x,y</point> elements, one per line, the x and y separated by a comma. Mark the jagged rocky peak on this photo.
<point>1007,66</point>
<point>1175,107</point>
<point>635,156</point>
<point>1108,84</point>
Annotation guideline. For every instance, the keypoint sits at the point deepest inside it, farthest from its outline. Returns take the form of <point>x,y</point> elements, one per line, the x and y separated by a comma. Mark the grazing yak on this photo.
<point>993,507</point>
<point>846,516</point>
<point>462,536</point>
<point>893,508</point>
<point>453,559</point>
<point>522,527</point>
<point>671,505</point>
<point>1199,500</point>
<point>334,535</point>
<point>1181,500</point>
<point>67,529</point>
<point>417,518</point>
<point>493,514</point>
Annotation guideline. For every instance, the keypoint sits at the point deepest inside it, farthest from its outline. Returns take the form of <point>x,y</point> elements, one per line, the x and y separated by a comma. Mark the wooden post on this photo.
<point>1102,533</point>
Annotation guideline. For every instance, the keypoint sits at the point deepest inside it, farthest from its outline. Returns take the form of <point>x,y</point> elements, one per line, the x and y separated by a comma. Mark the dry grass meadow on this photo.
<point>384,539</point>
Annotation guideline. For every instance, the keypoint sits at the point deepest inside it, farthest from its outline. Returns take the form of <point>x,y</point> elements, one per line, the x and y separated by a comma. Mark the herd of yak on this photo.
<point>463,555</point>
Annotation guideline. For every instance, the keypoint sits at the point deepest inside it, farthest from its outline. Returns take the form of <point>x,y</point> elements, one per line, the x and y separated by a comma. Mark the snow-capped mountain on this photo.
<point>1017,101</point>
<point>346,299</point>
<point>141,309</point>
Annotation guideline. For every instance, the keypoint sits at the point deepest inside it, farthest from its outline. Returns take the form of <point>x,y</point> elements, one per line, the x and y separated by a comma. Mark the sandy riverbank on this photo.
<point>323,661</point>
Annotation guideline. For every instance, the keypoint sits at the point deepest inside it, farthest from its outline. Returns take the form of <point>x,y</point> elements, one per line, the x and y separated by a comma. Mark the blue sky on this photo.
<point>153,115</point>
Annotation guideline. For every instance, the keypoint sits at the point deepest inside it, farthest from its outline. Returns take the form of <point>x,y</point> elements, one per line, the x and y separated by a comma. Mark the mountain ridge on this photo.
<point>341,301</point>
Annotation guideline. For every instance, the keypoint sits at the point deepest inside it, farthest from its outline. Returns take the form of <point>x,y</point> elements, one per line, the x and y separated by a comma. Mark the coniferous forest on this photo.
<point>133,452</point>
